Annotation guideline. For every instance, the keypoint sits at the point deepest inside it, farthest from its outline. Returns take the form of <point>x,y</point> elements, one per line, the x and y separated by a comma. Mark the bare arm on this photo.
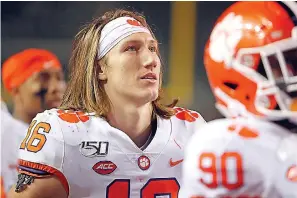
<point>49,187</point>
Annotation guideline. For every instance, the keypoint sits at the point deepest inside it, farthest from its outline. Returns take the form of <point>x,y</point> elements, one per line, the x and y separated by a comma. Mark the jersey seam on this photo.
<point>63,158</point>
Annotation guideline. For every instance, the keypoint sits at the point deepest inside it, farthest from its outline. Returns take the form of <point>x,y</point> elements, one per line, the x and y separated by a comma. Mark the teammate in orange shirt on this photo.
<point>251,62</point>
<point>34,78</point>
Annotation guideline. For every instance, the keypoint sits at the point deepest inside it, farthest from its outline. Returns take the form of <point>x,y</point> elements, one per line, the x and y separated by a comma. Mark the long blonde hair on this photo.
<point>85,92</point>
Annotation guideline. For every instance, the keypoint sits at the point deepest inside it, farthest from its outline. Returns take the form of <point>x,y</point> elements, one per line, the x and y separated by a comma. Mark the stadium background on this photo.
<point>181,27</point>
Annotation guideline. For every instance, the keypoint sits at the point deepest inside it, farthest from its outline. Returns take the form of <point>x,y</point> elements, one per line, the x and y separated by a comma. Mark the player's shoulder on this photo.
<point>67,116</point>
<point>64,118</point>
<point>185,116</point>
<point>245,127</point>
<point>246,132</point>
<point>9,121</point>
<point>217,129</point>
<point>185,123</point>
<point>69,123</point>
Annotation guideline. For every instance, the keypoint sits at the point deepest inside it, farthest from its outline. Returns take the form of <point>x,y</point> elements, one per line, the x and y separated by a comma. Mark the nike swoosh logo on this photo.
<point>174,163</point>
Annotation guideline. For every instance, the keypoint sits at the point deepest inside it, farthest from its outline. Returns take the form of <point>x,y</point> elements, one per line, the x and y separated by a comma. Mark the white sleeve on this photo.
<point>41,152</point>
<point>12,133</point>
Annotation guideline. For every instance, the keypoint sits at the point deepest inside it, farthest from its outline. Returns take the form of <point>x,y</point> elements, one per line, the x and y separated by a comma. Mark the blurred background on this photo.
<point>182,29</point>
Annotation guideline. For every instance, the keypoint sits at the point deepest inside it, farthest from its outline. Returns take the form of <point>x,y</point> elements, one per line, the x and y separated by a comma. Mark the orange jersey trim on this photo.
<point>46,168</point>
<point>2,193</point>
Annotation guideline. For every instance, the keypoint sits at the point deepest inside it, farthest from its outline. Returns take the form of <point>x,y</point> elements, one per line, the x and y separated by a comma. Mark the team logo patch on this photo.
<point>94,148</point>
<point>144,162</point>
<point>104,167</point>
<point>292,173</point>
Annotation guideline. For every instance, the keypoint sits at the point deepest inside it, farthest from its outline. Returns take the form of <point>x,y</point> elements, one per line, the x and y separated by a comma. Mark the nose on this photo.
<point>149,59</point>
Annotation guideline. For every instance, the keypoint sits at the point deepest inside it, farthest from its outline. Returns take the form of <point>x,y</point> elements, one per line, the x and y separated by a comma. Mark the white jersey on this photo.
<point>93,159</point>
<point>240,158</point>
<point>12,133</point>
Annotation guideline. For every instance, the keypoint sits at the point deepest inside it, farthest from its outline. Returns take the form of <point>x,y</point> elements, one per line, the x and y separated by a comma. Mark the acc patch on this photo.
<point>104,167</point>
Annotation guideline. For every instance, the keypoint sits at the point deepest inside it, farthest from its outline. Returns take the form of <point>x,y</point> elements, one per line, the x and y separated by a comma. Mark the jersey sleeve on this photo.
<point>186,123</point>
<point>42,150</point>
<point>285,180</point>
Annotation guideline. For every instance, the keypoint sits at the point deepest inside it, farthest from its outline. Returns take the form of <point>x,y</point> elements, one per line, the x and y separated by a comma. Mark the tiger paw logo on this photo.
<point>72,116</point>
<point>225,37</point>
<point>185,114</point>
<point>144,162</point>
<point>133,22</point>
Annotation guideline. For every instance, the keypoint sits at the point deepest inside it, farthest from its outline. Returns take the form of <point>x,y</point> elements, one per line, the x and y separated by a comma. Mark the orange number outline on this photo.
<point>35,136</point>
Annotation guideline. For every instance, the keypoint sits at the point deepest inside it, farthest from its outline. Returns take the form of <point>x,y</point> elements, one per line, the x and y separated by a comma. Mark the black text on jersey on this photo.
<point>94,148</point>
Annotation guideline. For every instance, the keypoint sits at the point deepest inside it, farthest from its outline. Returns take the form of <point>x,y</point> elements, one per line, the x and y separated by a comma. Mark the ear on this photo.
<point>102,67</point>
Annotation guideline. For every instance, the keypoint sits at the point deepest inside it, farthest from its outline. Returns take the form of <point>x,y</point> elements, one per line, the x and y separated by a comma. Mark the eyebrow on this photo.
<point>153,42</point>
<point>138,41</point>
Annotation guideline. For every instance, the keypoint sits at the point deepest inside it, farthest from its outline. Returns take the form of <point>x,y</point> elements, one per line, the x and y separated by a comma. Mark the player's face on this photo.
<point>133,69</point>
<point>49,82</point>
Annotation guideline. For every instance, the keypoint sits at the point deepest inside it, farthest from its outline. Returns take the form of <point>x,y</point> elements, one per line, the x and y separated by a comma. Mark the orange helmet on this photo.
<point>251,60</point>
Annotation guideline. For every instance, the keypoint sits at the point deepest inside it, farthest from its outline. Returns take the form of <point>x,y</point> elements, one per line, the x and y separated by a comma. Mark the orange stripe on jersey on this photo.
<point>45,168</point>
<point>2,189</point>
<point>243,131</point>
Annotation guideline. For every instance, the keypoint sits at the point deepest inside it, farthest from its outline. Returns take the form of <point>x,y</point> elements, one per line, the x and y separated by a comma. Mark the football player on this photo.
<point>251,62</point>
<point>111,137</point>
<point>35,80</point>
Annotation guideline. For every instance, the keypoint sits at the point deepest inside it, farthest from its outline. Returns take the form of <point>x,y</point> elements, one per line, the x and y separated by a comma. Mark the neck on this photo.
<point>20,114</point>
<point>134,121</point>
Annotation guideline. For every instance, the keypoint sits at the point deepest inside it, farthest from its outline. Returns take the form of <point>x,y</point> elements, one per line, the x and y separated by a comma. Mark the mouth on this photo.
<point>149,76</point>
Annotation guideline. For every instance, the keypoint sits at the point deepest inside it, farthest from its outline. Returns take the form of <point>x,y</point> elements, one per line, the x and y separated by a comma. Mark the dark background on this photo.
<point>52,25</point>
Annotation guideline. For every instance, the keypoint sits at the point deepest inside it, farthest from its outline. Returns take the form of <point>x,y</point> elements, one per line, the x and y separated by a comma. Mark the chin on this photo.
<point>153,95</point>
<point>148,95</point>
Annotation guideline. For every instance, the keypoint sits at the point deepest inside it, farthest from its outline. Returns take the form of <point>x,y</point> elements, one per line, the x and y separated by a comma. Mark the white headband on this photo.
<point>115,31</point>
